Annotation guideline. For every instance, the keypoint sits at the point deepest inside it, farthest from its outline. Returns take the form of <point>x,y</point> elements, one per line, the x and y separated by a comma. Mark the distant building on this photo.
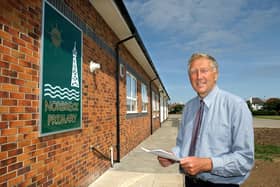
<point>176,108</point>
<point>256,103</point>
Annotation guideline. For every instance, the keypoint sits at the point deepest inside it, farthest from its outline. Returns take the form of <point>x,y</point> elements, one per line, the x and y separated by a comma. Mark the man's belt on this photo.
<point>197,180</point>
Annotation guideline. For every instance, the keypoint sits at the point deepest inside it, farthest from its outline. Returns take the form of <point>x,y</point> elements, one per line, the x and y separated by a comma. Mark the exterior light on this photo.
<point>93,66</point>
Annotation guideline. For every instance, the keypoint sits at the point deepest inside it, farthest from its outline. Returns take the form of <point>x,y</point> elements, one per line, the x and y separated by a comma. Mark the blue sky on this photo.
<point>243,36</point>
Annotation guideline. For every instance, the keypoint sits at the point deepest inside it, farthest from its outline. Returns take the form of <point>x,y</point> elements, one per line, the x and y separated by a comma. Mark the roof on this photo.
<point>256,100</point>
<point>117,17</point>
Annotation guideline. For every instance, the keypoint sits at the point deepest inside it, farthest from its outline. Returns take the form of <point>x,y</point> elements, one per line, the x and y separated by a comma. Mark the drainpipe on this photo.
<point>151,104</point>
<point>118,94</point>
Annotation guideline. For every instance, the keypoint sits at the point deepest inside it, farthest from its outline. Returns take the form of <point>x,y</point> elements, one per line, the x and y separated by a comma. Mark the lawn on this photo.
<point>268,117</point>
<point>267,152</point>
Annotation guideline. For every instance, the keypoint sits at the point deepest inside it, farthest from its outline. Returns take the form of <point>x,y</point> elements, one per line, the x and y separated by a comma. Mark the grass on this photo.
<point>268,117</point>
<point>267,152</point>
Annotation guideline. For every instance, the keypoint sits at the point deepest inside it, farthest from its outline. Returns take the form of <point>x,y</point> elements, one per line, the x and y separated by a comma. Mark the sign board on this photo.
<point>61,73</point>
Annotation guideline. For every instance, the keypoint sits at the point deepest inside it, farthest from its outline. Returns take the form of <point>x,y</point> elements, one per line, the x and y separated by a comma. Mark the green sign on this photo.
<point>61,73</point>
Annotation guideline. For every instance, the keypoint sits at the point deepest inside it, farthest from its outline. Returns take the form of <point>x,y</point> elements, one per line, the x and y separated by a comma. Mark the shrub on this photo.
<point>265,112</point>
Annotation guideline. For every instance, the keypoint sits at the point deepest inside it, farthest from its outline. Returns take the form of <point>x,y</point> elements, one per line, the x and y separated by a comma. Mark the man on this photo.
<point>215,141</point>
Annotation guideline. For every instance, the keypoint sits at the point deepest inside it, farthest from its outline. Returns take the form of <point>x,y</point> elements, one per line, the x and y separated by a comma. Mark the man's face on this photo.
<point>203,76</point>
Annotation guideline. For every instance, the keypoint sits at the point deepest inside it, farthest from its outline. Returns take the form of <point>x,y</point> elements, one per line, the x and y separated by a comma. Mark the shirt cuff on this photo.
<point>217,164</point>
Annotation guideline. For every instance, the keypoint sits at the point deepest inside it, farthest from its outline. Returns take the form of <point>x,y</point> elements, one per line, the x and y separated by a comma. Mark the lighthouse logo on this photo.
<point>56,91</point>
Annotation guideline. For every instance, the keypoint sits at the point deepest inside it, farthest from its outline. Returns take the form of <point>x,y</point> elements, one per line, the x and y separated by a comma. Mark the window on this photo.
<point>155,98</point>
<point>131,93</point>
<point>157,102</point>
<point>144,97</point>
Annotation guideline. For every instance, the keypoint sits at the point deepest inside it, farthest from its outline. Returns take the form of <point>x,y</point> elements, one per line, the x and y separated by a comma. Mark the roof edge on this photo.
<point>124,12</point>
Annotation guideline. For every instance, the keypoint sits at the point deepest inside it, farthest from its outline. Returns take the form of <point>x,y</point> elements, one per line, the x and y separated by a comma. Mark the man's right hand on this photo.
<point>164,162</point>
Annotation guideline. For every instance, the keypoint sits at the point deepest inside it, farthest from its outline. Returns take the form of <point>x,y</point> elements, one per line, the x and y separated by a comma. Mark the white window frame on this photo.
<point>157,105</point>
<point>144,95</point>
<point>131,95</point>
<point>155,102</point>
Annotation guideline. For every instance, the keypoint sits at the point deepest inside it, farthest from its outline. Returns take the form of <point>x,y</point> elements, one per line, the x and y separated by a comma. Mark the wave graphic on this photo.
<point>62,93</point>
<point>61,89</point>
<point>61,97</point>
<point>58,92</point>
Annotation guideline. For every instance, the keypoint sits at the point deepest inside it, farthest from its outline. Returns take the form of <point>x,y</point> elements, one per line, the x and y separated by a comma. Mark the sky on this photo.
<point>243,36</point>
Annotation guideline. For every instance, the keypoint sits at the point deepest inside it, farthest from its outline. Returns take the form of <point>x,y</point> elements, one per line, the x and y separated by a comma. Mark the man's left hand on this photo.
<point>195,165</point>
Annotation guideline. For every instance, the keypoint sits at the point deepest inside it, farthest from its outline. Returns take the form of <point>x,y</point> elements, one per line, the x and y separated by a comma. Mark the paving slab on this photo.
<point>114,178</point>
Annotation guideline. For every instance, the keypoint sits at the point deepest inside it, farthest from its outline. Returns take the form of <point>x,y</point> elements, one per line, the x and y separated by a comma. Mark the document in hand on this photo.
<point>161,153</point>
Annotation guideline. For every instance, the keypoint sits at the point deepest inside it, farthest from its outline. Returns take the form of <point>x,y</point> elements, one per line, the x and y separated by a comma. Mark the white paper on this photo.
<point>161,153</point>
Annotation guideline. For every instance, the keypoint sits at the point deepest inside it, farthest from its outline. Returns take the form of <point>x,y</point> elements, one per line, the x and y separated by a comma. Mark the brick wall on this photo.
<point>63,159</point>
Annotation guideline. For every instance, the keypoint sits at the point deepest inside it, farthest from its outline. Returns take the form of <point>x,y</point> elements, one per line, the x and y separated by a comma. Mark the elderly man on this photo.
<point>215,141</point>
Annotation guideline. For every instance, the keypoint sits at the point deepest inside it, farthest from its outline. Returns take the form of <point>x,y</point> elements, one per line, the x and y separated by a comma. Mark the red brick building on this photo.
<point>114,116</point>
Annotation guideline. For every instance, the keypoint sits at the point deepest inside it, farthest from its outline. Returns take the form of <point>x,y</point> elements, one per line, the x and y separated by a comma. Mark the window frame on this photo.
<point>144,97</point>
<point>155,103</point>
<point>130,96</point>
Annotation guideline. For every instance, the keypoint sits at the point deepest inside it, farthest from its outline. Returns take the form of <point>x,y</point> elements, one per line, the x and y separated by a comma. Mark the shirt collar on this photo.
<point>209,99</point>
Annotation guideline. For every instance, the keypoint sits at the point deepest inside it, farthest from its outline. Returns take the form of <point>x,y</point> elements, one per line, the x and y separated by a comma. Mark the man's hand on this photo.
<point>164,162</point>
<point>195,165</point>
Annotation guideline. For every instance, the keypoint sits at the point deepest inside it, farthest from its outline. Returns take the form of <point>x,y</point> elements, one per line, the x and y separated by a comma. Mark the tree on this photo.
<point>176,108</point>
<point>272,104</point>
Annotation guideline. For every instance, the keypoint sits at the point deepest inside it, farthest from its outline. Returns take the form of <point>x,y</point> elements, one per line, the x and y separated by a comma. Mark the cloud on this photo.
<point>242,34</point>
<point>213,40</point>
<point>184,15</point>
<point>160,15</point>
<point>200,24</point>
<point>257,20</point>
<point>265,71</point>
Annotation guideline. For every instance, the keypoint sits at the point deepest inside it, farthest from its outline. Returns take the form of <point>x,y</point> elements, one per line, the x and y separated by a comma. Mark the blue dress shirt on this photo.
<point>226,136</point>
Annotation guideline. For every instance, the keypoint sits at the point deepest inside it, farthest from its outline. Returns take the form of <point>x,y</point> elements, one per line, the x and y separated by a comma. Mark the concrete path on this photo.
<point>140,169</point>
<point>266,123</point>
<point>113,178</point>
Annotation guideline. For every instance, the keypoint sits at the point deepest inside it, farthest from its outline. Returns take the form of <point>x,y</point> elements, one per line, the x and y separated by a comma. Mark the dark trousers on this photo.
<point>193,182</point>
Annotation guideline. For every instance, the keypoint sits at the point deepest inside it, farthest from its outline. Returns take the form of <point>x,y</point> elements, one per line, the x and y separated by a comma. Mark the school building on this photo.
<point>78,90</point>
